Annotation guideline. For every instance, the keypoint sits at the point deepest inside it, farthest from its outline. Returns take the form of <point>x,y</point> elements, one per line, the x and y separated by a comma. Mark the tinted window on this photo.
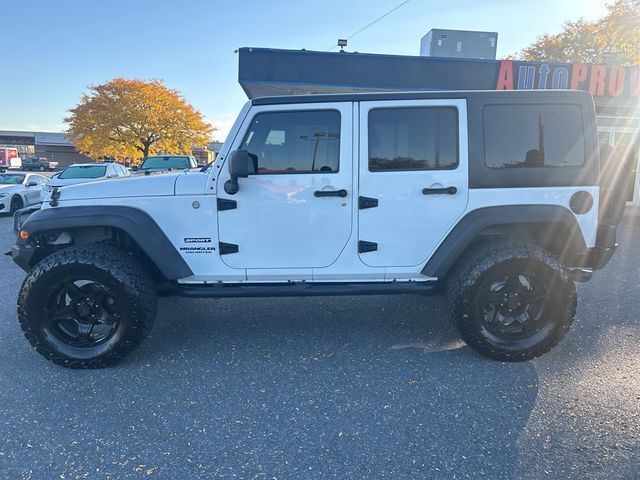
<point>84,171</point>
<point>35,178</point>
<point>295,142</point>
<point>413,138</point>
<point>11,179</point>
<point>165,163</point>
<point>533,136</point>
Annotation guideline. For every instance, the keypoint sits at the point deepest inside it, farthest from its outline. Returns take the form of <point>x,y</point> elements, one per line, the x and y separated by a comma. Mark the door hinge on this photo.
<point>226,204</point>
<point>227,248</point>
<point>367,202</point>
<point>364,246</point>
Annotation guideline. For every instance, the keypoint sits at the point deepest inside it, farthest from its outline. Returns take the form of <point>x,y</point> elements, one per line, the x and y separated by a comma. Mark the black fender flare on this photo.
<point>135,222</point>
<point>469,226</point>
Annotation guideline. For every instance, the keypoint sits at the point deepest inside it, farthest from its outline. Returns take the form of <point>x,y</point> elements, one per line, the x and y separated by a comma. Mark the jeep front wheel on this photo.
<point>511,301</point>
<point>87,306</point>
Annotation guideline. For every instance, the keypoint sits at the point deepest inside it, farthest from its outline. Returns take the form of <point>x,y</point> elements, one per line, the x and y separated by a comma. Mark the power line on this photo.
<point>372,23</point>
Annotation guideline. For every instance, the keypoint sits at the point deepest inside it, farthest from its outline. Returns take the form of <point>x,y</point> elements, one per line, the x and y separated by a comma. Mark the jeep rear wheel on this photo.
<point>511,301</point>
<point>87,306</point>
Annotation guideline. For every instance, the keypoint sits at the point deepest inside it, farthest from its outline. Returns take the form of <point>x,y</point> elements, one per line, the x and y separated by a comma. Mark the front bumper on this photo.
<point>22,255</point>
<point>20,216</point>
<point>5,204</point>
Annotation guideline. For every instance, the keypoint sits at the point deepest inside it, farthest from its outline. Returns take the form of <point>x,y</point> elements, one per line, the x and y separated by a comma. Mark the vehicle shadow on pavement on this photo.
<point>349,387</point>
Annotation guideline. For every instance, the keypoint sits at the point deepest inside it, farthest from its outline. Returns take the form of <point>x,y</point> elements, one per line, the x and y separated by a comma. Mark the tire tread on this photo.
<point>125,269</point>
<point>471,266</point>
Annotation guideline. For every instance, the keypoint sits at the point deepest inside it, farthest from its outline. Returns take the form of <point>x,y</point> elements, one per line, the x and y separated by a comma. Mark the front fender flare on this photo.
<point>135,222</point>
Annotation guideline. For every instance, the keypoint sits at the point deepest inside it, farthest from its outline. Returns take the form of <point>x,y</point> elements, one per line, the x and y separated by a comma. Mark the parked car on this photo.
<point>492,198</point>
<point>157,163</point>
<point>41,164</point>
<point>19,190</point>
<point>83,173</point>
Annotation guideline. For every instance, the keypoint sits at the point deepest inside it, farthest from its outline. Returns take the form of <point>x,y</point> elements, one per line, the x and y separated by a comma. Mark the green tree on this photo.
<point>615,37</point>
<point>135,118</point>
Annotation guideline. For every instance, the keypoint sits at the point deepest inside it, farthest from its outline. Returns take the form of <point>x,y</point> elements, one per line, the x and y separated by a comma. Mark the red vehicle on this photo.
<point>9,159</point>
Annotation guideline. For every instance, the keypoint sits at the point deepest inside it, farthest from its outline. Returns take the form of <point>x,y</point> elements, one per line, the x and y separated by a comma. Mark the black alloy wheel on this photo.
<point>511,300</point>
<point>82,314</point>
<point>87,306</point>
<point>512,305</point>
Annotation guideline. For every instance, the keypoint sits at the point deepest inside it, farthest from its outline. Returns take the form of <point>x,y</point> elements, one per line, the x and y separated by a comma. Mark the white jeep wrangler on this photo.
<point>490,197</point>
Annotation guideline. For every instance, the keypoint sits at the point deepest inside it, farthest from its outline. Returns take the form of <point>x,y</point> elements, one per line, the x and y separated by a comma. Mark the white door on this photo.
<point>413,178</point>
<point>295,211</point>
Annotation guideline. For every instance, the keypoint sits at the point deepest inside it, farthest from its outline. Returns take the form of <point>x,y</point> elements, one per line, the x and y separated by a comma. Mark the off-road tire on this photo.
<point>462,295</point>
<point>131,287</point>
<point>16,204</point>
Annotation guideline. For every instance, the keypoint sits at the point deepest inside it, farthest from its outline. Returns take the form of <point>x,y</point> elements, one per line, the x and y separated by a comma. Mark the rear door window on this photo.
<point>402,139</point>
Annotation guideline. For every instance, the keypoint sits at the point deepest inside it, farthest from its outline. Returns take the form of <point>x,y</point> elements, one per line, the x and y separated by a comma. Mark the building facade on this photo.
<point>615,89</point>
<point>52,146</point>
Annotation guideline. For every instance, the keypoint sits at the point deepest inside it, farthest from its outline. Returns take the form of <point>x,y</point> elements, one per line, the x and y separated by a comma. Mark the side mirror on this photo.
<point>32,184</point>
<point>241,165</point>
<point>134,168</point>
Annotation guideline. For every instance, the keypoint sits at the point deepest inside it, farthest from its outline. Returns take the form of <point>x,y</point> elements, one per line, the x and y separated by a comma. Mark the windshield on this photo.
<point>9,179</point>
<point>163,163</point>
<point>84,171</point>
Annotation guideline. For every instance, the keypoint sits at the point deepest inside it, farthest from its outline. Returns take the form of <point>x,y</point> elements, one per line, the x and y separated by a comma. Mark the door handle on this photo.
<point>330,193</point>
<point>440,191</point>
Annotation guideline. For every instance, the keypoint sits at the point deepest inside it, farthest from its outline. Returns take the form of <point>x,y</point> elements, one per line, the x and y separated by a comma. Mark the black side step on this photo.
<point>303,289</point>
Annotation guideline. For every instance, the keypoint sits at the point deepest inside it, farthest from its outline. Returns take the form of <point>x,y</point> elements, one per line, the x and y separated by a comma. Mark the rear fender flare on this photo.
<point>468,228</point>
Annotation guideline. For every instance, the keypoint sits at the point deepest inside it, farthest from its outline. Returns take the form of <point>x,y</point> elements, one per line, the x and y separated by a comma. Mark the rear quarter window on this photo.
<point>533,136</point>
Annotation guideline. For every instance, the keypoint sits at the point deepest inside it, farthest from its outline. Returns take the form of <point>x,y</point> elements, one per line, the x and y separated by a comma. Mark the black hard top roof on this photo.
<point>575,96</point>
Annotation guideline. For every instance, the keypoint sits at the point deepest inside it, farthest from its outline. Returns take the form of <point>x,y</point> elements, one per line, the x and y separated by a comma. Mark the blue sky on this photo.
<point>52,50</point>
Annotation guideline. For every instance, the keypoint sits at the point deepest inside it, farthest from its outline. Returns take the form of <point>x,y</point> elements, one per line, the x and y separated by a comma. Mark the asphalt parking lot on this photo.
<point>323,388</point>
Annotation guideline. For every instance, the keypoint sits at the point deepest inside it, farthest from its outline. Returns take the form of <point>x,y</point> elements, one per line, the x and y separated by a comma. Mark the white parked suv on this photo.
<point>84,173</point>
<point>492,198</point>
<point>164,163</point>
<point>19,190</point>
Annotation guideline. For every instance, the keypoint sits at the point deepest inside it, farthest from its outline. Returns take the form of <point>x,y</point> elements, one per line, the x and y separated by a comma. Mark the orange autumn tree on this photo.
<point>614,38</point>
<point>135,118</point>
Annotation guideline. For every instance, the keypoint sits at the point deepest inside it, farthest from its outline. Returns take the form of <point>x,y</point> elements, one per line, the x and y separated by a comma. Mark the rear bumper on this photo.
<point>597,258</point>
